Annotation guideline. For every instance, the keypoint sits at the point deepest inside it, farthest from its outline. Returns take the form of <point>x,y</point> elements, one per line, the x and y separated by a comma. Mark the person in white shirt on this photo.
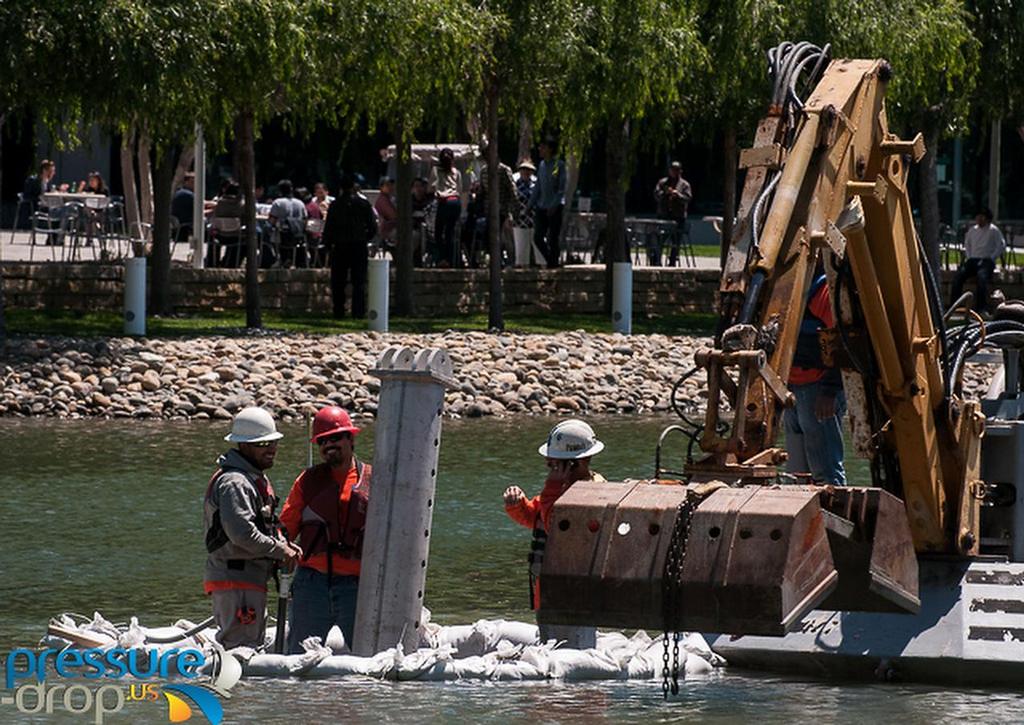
<point>983,245</point>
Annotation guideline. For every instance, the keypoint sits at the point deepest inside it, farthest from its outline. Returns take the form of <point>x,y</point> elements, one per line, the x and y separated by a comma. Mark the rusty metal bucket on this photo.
<point>756,558</point>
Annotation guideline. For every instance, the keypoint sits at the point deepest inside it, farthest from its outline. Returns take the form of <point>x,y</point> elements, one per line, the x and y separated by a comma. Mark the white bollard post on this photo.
<point>622,297</point>
<point>379,284</point>
<point>135,296</point>
<point>522,238</point>
<point>396,543</point>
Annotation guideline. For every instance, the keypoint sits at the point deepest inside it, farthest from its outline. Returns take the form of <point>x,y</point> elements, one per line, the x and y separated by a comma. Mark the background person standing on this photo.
<point>351,225</point>
<point>548,201</point>
<point>446,185</point>
<point>326,512</point>
<point>242,543</point>
<point>673,195</point>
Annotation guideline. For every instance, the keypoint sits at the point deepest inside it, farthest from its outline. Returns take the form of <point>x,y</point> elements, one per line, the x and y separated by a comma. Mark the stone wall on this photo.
<point>438,292</point>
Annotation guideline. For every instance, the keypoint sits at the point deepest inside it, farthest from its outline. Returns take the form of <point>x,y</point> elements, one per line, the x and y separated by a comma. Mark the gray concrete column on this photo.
<point>407,440</point>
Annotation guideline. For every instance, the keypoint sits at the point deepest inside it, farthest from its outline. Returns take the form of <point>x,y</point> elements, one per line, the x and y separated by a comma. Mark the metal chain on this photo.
<point>671,586</point>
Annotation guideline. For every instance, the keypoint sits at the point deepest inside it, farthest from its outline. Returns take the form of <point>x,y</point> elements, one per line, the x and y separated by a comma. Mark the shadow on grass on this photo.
<point>110,324</point>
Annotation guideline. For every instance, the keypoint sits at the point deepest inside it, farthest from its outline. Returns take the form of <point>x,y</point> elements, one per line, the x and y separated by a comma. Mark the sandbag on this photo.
<point>589,664</point>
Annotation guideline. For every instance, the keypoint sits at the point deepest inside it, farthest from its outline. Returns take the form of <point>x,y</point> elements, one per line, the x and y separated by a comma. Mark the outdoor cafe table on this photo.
<point>647,234</point>
<point>56,199</point>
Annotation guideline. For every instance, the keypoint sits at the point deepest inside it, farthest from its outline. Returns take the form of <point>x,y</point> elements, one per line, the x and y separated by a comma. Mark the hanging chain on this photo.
<point>672,587</point>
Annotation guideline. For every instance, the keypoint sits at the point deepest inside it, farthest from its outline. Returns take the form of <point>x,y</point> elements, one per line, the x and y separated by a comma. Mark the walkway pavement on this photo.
<point>21,250</point>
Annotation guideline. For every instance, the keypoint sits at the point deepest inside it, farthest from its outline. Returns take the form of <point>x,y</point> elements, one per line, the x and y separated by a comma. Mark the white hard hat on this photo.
<point>571,439</point>
<point>253,425</point>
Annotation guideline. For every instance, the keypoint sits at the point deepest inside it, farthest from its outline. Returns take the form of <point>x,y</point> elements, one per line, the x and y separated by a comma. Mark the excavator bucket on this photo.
<point>873,551</point>
<point>754,559</point>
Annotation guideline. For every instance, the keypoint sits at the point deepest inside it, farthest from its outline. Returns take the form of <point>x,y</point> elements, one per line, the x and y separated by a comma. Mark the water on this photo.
<point>106,516</point>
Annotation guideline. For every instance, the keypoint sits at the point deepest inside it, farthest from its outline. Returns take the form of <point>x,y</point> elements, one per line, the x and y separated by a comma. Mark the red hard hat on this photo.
<point>330,420</point>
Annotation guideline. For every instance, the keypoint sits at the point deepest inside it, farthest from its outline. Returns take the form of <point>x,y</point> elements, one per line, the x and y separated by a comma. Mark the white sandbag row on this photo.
<point>493,650</point>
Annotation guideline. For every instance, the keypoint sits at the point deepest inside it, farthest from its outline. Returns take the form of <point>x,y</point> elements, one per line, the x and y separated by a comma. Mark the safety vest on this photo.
<point>266,517</point>
<point>324,528</point>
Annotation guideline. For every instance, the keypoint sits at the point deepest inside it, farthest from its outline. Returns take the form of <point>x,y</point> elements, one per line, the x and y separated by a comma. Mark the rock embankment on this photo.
<point>293,375</point>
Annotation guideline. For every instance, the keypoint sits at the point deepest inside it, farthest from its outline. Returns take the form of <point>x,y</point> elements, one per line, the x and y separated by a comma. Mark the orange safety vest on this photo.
<point>329,524</point>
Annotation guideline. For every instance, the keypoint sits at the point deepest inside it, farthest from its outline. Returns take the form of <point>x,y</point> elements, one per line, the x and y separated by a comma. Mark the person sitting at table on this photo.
<point>181,206</point>
<point>94,184</point>
<point>35,186</point>
<point>94,216</point>
<point>230,205</point>
<point>321,199</point>
<point>288,216</point>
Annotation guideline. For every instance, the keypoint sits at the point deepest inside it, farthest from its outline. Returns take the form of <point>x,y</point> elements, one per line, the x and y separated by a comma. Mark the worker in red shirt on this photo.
<point>814,425</point>
<point>567,451</point>
<point>326,512</point>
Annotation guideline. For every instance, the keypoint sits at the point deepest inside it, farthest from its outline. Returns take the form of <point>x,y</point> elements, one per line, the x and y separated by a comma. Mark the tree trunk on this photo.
<point>161,280</point>
<point>525,138</point>
<point>14,225</point>
<point>185,159</point>
<point>616,246</point>
<point>244,139</point>
<point>572,180</point>
<point>928,186</point>
<point>405,303</point>
<point>995,156</point>
<point>145,178</point>
<point>494,310</point>
<point>131,187</point>
<point>729,192</point>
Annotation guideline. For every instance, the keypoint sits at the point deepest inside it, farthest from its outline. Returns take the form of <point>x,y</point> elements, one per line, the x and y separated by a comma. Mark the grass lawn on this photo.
<point>94,324</point>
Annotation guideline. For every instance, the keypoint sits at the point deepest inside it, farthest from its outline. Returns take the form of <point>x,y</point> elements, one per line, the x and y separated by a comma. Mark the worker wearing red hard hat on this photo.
<point>326,512</point>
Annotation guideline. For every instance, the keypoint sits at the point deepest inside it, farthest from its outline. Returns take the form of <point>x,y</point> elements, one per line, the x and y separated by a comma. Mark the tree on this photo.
<point>934,57</point>
<point>260,67</point>
<point>39,42</point>
<point>403,65</point>
<point>531,47</point>
<point>632,60</point>
<point>735,91</point>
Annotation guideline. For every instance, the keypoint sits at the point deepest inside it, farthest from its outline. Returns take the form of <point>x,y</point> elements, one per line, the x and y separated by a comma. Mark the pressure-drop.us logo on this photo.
<point>105,693</point>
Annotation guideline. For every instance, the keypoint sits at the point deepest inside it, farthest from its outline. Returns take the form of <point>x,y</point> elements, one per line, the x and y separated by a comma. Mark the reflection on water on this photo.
<point>107,516</point>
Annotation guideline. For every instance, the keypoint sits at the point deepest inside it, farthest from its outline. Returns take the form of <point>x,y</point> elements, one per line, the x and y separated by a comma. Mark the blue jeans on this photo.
<point>315,610</point>
<point>815,446</point>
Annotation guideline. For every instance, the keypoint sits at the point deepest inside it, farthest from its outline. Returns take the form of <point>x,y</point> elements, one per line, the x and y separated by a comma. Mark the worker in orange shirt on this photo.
<point>326,512</point>
<point>568,450</point>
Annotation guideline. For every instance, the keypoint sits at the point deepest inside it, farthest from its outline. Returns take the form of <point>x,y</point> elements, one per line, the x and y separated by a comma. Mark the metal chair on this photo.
<point>72,218</point>
<point>115,230</point>
<point>45,223</point>
<point>316,255</point>
<point>26,206</point>
<point>224,228</point>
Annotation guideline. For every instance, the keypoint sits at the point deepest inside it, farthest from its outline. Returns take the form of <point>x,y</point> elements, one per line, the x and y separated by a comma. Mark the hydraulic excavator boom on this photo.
<point>738,548</point>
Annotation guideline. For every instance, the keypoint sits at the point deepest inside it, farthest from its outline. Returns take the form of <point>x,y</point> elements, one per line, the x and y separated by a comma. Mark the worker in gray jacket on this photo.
<point>242,539</point>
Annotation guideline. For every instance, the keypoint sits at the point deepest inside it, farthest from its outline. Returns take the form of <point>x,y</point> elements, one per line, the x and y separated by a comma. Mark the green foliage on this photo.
<point>735,89</point>
<point>631,59</point>
<point>400,63</point>
<point>97,324</point>
<point>929,44</point>
<point>999,26</point>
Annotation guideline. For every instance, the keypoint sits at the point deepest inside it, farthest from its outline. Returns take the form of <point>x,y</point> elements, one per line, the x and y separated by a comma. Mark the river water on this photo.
<point>106,516</point>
